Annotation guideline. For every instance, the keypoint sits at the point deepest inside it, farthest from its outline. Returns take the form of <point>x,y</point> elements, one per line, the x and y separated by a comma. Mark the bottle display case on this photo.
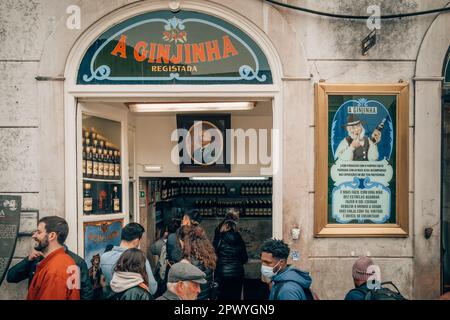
<point>101,166</point>
<point>171,197</point>
<point>214,198</point>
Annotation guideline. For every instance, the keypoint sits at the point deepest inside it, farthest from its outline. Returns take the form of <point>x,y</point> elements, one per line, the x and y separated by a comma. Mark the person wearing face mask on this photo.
<point>287,282</point>
<point>357,146</point>
<point>130,238</point>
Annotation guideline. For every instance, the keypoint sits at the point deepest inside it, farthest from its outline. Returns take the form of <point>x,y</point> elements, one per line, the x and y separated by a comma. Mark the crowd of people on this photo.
<point>189,267</point>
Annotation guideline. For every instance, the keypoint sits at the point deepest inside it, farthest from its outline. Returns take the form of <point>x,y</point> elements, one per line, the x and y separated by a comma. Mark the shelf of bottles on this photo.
<point>102,188</point>
<point>245,208</point>
<point>213,199</point>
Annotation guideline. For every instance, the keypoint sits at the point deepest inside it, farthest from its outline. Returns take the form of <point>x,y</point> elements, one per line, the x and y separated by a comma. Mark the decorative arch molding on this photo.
<point>262,23</point>
<point>433,48</point>
<point>446,68</point>
<point>428,80</point>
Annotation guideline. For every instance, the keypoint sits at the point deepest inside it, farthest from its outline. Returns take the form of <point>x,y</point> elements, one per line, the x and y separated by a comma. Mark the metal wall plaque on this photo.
<point>9,229</point>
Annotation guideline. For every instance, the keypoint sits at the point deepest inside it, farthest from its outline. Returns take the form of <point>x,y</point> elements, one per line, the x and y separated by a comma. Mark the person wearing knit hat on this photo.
<point>360,274</point>
<point>360,269</point>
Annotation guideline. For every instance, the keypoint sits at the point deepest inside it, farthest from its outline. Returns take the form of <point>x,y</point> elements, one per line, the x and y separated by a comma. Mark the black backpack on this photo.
<point>382,293</point>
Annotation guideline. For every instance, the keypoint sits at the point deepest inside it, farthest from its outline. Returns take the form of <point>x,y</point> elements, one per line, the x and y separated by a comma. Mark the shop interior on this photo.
<point>153,190</point>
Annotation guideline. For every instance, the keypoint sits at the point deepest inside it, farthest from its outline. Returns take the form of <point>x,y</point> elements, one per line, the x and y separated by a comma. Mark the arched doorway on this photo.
<point>87,99</point>
<point>428,82</point>
<point>445,212</point>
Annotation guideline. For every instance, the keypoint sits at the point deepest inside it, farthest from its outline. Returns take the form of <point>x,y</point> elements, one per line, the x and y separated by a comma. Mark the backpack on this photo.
<point>310,295</point>
<point>382,293</point>
<point>162,261</point>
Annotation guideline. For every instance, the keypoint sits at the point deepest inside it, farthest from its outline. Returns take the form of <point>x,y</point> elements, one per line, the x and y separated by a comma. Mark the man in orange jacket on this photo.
<point>57,277</point>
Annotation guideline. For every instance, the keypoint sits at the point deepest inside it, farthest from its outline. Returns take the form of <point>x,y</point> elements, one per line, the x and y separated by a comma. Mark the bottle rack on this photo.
<point>245,208</point>
<point>102,185</point>
<point>101,158</point>
<point>213,199</point>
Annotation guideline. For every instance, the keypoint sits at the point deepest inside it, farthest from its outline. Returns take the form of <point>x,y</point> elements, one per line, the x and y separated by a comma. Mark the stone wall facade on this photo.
<point>35,47</point>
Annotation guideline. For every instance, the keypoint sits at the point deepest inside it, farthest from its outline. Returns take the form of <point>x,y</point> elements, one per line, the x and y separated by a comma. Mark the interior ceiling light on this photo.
<point>228,178</point>
<point>190,106</point>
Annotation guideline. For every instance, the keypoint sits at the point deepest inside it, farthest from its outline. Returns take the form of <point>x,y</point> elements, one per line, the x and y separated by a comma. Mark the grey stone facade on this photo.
<point>36,43</point>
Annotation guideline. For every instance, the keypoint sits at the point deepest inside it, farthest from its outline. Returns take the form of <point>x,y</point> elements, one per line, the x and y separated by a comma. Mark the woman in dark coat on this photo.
<point>231,257</point>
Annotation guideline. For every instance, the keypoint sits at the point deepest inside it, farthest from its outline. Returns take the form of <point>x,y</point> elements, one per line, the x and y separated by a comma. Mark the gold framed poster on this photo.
<point>361,169</point>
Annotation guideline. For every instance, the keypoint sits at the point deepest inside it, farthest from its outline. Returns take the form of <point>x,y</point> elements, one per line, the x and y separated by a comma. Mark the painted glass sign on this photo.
<point>98,237</point>
<point>164,47</point>
<point>362,159</point>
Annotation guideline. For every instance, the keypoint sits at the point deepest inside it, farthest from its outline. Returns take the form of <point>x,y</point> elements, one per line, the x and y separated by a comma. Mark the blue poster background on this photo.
<point>369,121</point>
<point>98,235</point>
<point>375,108</point>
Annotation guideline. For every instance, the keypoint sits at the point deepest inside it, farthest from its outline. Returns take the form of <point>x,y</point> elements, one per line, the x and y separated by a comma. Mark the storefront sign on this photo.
<point>163,47</point>
<point>364,142</point>
<point>9,229</point>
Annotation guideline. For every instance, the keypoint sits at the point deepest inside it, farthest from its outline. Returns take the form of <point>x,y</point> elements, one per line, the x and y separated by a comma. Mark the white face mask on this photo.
<point>267,271</point>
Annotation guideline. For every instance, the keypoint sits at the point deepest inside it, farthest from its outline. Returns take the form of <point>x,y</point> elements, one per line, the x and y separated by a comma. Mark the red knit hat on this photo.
<point>359,270</point>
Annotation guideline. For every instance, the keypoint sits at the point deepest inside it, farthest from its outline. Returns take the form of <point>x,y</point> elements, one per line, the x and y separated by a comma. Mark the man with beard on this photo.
<point>357,146</point>
<point>57,276</point>
<point>26,269</point>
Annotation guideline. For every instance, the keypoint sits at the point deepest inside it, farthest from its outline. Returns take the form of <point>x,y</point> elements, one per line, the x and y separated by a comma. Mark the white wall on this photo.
<point>153,144</point>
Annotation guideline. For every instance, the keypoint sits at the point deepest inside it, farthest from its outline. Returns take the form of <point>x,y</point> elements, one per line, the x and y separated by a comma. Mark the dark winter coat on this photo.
<point>168,295</point>
<point>358,293</point>
<point>134,293</point>
<point>174,252</point>
<point>231,253</point>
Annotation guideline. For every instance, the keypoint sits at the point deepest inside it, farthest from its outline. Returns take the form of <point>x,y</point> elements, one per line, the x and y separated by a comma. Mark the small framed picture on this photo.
<point>203,145</point>
<point>361,175</point>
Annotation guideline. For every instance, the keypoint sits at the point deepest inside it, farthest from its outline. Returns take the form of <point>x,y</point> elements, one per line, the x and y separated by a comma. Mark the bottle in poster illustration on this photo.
<point>362,146</point>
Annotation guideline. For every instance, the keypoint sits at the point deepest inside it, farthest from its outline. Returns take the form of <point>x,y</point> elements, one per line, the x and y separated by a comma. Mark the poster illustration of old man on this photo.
<point>362,159</point>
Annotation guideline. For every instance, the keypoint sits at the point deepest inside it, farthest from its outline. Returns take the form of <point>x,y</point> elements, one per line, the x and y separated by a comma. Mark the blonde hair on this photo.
<point>229,223</point>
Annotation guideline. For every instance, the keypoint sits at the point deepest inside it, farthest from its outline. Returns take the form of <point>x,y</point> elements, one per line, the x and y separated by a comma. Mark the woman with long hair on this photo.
<point>130,279</point>
<point>231,257</point>
<point>198,250</point>
<point>174,252</point>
